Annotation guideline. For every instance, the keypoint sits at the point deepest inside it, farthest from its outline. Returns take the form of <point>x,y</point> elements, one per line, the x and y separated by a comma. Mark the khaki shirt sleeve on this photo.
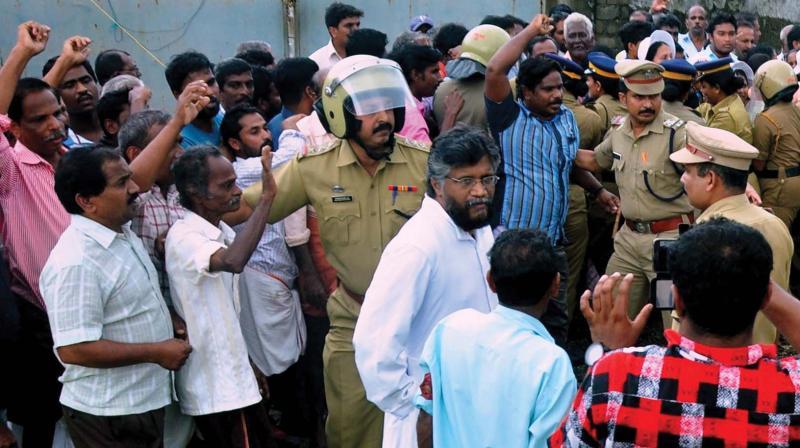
<point>291,193</point>
<point>763,136</point>
<point>604,153</point>
<point>723,120</point>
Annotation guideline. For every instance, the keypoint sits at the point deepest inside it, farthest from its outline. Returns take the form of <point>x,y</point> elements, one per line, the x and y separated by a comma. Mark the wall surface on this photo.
<point>215,27</point>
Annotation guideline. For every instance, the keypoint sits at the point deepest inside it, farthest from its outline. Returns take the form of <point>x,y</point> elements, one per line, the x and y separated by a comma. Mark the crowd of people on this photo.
<point>377,246</point>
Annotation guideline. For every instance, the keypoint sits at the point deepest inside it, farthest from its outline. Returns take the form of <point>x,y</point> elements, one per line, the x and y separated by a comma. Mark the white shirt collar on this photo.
<point>200,224</point>
<point>428,203</point>
<point>96,231</point>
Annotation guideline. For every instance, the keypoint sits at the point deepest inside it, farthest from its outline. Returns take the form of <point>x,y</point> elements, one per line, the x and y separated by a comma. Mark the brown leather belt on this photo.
<point>353,295</point>
<point>662,225</point>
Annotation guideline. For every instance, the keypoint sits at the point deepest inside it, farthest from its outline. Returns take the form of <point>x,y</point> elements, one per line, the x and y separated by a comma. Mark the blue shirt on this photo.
<point>193,136</point>
<point>496,380</point>
<point>537,160</point>
<point>275,126</point>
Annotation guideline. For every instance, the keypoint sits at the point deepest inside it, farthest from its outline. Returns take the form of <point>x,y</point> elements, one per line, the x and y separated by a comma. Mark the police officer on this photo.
<point>716,164</point>
<point>590,128</point>
<point>364,186</point>
<point>603,84</point>
<point>776,135</point>
<point>652,198</point>
<point>678,79</point>
<point>467,75</point>
<point>723,108</point>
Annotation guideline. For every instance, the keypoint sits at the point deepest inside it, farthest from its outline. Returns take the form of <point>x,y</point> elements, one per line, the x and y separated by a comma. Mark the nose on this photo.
<point>265,134</point>
<point>479,190</point>
<point>133,188</point>
<point>80,87</point>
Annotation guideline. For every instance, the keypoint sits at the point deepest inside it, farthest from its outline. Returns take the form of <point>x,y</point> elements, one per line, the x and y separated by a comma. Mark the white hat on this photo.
<point>656,36</point>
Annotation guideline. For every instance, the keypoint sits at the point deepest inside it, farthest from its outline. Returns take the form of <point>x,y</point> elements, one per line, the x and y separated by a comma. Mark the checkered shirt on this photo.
<point>686,395</point>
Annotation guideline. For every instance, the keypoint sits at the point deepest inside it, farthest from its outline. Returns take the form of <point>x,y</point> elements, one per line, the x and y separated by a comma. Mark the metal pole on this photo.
<point>290,20</point>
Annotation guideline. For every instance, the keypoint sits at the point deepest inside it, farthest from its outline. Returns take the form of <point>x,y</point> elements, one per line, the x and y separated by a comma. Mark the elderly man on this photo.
<point>579,37</point>
<point>694,41</point>
<point>434,266</point>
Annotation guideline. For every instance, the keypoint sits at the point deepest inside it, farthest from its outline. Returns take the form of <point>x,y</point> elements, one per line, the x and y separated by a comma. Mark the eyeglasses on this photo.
<point>469,182</point>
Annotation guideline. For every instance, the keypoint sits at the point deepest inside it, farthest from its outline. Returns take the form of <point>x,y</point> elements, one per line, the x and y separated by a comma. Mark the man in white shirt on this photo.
<point>341,20</point>
<point>694,41</point>
<point>203,255</point>
<point>110,324</point>
<point>721,39</point>
<point>436,265</point>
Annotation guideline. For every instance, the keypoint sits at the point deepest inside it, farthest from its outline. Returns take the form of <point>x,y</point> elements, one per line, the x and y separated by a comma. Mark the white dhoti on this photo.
<point>400,432</point>
<point>271,320</point>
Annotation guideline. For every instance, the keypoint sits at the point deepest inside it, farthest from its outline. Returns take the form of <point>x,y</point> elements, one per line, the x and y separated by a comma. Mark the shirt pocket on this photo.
<point>402,209</point>
<point>340,223</point>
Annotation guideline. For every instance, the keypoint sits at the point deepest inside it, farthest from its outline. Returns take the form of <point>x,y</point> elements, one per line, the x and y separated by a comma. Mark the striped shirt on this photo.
<point>100,284</point>
<point>31,216</point>
<point>537,160</point>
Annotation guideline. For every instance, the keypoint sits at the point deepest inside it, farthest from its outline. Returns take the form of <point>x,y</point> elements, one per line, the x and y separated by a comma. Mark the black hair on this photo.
<point>182,65</point>
<point>726,80</point>
<point>533,70</point>
<point>744,23</point>
<point>556,17</point>
<point>786,95</point>
<point>136,131</point>
<point>794,35</point>
<point>25,87</point>
<point>577,87</point>
<point>605,50</point>
<point>336,12</point>
<point>669,20</point>
<point>756,60</point>
<point>415,57</point>
<point>720,18</point>
<point>516,20</point>
<point>523,266</point>
<point>648,18</point>
<point>107,63</point>
<point>110,105</point>
<point>747,16</point>
<point>230,67</point>
<point>735,180</point>
<point>460,146</point>
<point>498,21</point>
<point>80,172</point>
<point>52,61</point>
<point>191,173</point>
<point>561,8</point>
<point>263,80</point>
<point>449,36</point>
<point>292,76</point>
<point>634,32</point>
<point>654,46</point>
<point>230,126</point>
<point>257,58</point>
<point>367,41</point>
<point>537,40</point>
<point>721,270</point>
<point>675,90</point>
<point>610,86</point>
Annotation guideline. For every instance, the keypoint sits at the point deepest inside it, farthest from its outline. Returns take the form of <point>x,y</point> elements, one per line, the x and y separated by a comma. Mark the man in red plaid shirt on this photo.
<point>710,386</point>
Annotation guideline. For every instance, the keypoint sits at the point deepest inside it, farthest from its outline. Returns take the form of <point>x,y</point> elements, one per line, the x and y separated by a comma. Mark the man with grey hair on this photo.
<point>411,37</point>
<point>579,37</point>
<point>436,265</point>
<point>258,45</point>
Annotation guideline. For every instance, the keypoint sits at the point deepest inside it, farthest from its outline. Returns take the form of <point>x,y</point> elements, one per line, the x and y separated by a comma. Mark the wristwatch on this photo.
<point>593,353</point>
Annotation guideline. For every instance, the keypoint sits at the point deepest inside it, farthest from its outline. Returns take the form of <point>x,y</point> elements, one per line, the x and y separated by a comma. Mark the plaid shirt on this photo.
<point>686,394</point>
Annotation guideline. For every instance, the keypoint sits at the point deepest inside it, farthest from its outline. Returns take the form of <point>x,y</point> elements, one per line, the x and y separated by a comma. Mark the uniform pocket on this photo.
<point>340,222</point>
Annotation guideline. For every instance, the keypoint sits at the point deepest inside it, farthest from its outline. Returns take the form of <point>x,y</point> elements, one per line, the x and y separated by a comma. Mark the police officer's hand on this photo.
<point>193,99</point>
<point>608,200</point>
<point>32,37</point>
<point>541,24</point>
<point>268,186</point>
<point>752,195</point>
<point>607,313</point>
<point>172,353</point>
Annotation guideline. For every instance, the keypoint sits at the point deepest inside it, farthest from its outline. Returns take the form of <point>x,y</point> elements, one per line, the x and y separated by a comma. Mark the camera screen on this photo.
<point>663,294</point>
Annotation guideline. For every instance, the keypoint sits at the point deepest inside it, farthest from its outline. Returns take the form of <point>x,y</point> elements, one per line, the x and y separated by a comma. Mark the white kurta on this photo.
<point>431,269</point>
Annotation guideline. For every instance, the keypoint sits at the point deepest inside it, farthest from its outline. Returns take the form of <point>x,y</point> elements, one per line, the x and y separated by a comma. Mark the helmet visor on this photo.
<point>378,89</point>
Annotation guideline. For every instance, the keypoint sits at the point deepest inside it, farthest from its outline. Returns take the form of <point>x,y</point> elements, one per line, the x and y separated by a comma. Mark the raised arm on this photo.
<point>497,86</point>
<point>31,40</point>
<point>75,51</point>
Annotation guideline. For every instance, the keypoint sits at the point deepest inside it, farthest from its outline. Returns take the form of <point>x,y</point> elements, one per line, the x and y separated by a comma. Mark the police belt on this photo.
<point>776,174</point>
<point>662,225</point>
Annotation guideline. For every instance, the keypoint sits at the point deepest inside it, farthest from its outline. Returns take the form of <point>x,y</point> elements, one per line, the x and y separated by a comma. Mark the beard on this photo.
<point>211,110</point>
<point>382,152</point>
<point>460,214</point>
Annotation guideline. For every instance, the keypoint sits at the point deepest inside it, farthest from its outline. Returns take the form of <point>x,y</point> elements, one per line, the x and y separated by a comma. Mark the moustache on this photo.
<point>133,198</point>
<point>212,101</point>
<point>647,111</point>
<point>84,96</point>
<point>57,135</point>
<point>480,201</point>
<point>234,202</point>
<point>267,142</point>
<point>382,127</point>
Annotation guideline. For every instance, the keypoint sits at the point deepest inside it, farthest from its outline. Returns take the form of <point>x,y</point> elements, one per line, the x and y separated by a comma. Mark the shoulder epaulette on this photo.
<point>315,150</point>
<point>618,120</point>
<point>413,144</point>
<point>674,123</point>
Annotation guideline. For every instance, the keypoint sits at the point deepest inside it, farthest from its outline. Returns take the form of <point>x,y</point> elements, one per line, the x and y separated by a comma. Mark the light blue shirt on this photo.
<point>497,380</point>
<point>193,136</point>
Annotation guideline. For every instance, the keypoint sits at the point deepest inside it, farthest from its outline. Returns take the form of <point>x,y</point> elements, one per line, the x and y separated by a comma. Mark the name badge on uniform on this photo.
<point>616,155</point>
<point>336,199</point>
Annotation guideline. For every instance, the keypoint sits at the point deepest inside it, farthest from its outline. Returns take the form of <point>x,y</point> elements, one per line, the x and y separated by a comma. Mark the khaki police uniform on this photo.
<point>611,111</point>
<point>576,230</point>
<point>682,111</point>
<point>358,216</point>
<point>730,115</point>
<point>711,145</point>
<point>651,195</point>
<point>776,135</point>
<point>473,112</point>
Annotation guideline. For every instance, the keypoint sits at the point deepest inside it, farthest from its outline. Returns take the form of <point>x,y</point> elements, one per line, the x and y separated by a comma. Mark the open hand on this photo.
<point>607,314</point>
<point>268,186</point>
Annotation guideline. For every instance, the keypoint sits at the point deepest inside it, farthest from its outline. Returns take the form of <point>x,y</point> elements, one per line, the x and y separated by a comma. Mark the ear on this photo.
<point>623,99</point>
<point>677,301</point>
<point>234,144</point>
<point>332,30</point>
<point>554,286</point>
<point>85,203</point>
<point>437,187</point>
<point>490,281</point>
<point>15,129</point>
<point>132,152</point>
<point>111,126</point>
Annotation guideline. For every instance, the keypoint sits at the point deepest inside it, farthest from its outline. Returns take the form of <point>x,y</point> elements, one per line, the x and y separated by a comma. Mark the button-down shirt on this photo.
<point>415,127</point>
<point>431,269</point>
<point>537,161</point>
<point>708,55</point>
<point>32,216</point>
<point>156,214</point>
<point>730,115</point>
<point>217,376</point>
<point>494,380</point>
<point>686,394</point>
<point>776,135</point>
<point>272,255</point>
<point>326,57</point>
<point>100,284</point>
<point>689,50</point>
<point>358,213</point>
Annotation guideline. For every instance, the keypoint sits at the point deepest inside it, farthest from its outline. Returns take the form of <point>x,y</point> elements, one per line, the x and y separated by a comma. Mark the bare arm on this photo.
<point>31,40</point>
<point>105,354</point>
<point>586,159</point>
<point>590,183</point>
<point>235,257</point>
<point>497,86</point>
<point>146,166</point>
<point>424,430</point>
<point>783,310</point>
<point>74,52</point>
<point>452,106</point>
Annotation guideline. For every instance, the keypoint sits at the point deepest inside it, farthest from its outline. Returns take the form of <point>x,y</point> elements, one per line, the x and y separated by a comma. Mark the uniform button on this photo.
<point>372,213</point>
<point>371,187</point>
